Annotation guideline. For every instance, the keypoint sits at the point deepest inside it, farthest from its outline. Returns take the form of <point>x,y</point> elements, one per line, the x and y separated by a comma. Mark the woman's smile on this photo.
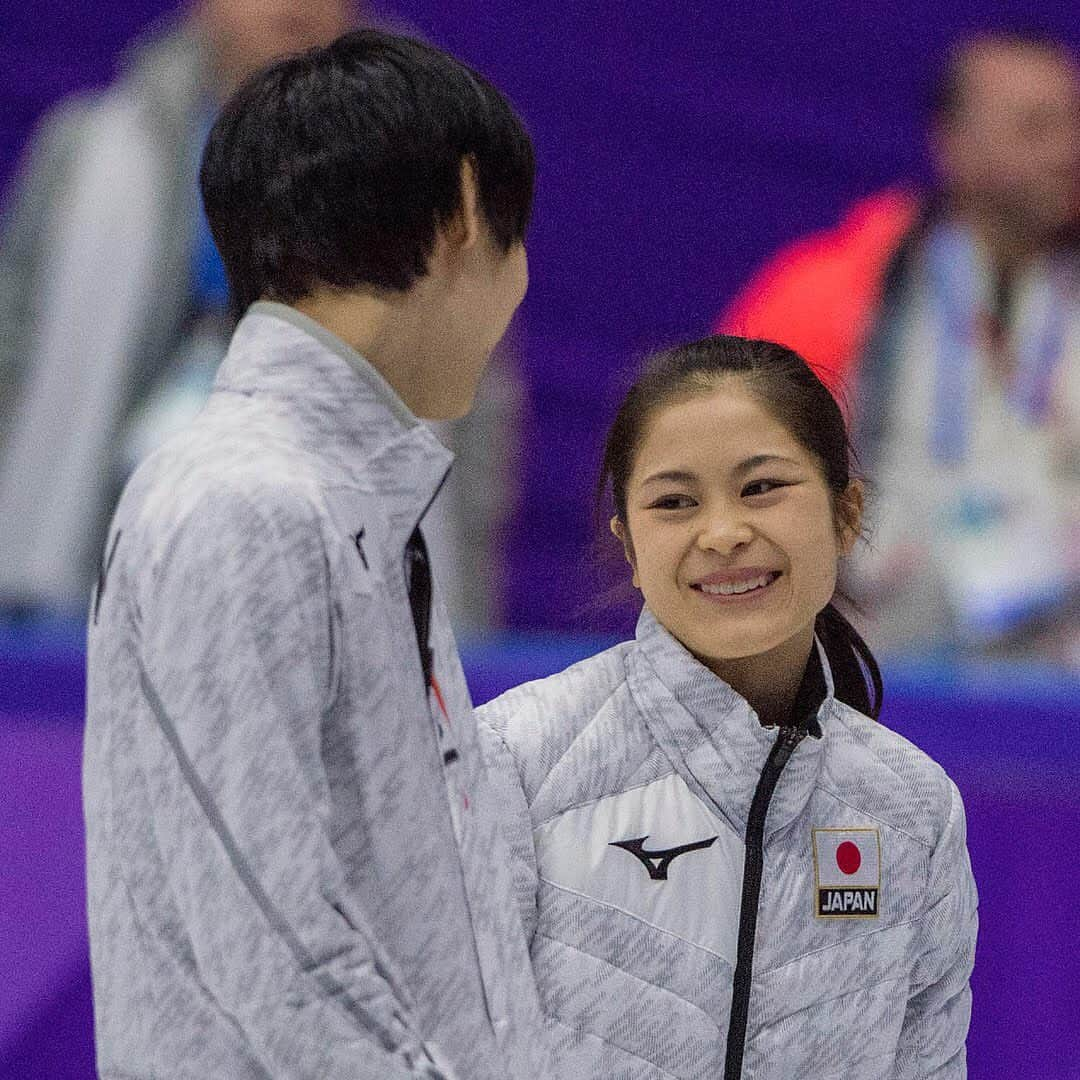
<point>736,586</point>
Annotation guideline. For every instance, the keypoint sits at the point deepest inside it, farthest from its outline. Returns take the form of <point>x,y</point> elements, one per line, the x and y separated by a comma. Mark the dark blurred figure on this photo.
<point>952,322</point>
<point>114,310</point>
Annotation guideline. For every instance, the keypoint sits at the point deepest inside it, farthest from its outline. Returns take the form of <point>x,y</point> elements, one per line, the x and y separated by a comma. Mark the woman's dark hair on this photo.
<point>787,387</point>
<point>336,166</point>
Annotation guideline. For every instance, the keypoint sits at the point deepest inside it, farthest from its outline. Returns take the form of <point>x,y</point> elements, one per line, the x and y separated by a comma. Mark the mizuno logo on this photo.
<point>657,862</point>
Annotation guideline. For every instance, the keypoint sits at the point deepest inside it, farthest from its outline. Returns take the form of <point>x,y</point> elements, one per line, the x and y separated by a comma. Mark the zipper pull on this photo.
<point>787,743</point>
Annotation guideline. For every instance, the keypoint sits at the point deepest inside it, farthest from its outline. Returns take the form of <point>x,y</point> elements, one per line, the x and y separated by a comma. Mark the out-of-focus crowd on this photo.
<point>947,320</point>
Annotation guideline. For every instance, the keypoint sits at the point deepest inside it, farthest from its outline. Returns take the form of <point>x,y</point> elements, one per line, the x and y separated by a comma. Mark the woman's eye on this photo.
<point>762,487</point>
<point>671,502</point>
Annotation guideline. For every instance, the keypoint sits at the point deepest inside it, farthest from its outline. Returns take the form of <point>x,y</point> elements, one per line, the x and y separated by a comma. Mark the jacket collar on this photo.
<point>713,736</point>
<point>335,404</point>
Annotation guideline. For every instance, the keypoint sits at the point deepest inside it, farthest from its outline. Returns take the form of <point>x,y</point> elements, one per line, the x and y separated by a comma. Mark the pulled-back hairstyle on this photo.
<point>785,385</point>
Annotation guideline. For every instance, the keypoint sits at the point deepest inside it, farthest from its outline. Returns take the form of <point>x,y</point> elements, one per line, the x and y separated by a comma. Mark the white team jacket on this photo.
<point>628,781</point>
<point>294,861</point>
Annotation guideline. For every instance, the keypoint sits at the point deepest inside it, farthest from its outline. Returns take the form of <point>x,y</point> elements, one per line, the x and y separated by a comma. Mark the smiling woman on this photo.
<point>734,547</point>
<point>730,467</point>
<point>725,866</point>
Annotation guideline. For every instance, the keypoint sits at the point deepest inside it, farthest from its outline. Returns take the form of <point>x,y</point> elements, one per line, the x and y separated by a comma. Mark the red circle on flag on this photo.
<point>848,858</point>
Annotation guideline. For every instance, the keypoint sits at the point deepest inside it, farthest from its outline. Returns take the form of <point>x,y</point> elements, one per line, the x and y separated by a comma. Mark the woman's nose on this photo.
<point>725,532</point>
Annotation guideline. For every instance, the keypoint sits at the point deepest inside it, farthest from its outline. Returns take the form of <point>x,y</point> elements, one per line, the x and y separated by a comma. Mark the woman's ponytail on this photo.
<point>855,672</point>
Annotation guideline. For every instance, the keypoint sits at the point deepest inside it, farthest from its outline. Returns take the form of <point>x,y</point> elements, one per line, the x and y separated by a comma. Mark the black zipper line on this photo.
<point>786,742</point>
<point>418,579</point>
<point>419,585</point>
<point>418,571</point>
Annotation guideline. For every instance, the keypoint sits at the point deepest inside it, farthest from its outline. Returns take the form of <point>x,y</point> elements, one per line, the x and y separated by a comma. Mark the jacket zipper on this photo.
<point>785,745</point>
<point>418,582</point>
<point>418,577</point>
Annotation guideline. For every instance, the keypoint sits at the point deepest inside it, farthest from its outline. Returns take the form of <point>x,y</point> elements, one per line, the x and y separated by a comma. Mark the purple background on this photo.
<point>678,144</point>
<point>676,148</point>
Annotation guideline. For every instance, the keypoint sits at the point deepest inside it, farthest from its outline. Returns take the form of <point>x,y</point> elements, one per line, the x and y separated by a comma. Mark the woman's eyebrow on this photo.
<point>670,476</point>
<point>764,459</point>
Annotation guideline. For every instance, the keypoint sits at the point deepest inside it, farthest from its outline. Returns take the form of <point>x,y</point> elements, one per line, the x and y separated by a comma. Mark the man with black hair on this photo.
<point>954,319</point>
<point>295,865</point>
<point>115,311</point>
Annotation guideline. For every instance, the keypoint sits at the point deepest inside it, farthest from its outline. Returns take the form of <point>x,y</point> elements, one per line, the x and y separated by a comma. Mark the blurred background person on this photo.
<point>951,321</point>
<point>115,313</point>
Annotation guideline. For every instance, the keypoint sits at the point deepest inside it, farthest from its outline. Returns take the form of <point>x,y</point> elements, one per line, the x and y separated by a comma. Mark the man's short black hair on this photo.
<point>335,167</point>
<point>945,96</point>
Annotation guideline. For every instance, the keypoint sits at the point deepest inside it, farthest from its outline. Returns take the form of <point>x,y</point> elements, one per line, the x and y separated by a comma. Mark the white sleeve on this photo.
<point>236,668</point>
<point>934,1032</point>
<point>507,789</point>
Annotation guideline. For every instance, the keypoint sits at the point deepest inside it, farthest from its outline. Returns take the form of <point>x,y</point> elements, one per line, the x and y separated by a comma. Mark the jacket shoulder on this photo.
<point>235,475</point>
<point>541,721</point>
<point>879,771</point>
<point>235,442</point>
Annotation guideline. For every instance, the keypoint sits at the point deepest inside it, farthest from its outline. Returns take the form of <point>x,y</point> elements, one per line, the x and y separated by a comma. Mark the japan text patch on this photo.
<point>847,873</point>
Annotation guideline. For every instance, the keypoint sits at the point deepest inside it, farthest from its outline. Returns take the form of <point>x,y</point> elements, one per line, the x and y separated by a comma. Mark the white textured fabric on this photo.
<point>612,749</point>
<point>574,850</point>
<point>294,860</point>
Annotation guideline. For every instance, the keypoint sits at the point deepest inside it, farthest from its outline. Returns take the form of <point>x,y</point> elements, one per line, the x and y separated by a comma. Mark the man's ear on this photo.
<point>466,227</point>
<point>849,515</point>
<point>622,534</point>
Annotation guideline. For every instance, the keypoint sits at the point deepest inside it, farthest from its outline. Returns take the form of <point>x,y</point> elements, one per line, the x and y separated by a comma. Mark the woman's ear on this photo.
<point>849,515</point>
<point>622,534</point>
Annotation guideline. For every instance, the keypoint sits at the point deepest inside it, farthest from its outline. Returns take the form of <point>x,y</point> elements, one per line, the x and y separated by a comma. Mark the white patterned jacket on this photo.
<point>295,863</point>
<point>704,897</point>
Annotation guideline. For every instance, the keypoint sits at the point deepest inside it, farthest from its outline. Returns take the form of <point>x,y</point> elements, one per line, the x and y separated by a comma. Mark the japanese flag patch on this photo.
<point>847,873</point>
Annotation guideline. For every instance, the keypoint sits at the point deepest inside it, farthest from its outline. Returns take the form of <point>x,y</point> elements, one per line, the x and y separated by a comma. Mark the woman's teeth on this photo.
<point>738,587</point>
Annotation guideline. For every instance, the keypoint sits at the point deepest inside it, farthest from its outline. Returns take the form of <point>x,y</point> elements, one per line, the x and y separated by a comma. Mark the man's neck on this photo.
<point>1009,245</point>
<point>387,329</point>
